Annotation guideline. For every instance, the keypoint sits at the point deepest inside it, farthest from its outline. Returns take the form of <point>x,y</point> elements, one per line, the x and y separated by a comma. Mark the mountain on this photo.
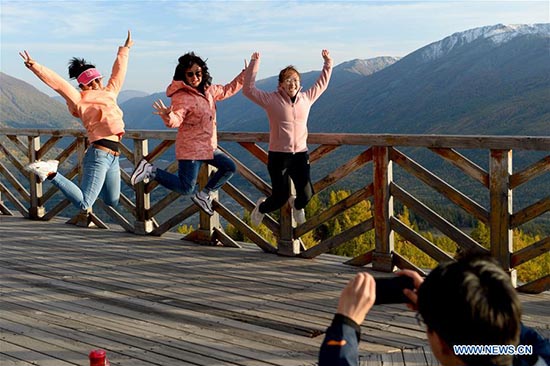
<point>490,81</point>
<point>24,106</point>
<point>126,95</point>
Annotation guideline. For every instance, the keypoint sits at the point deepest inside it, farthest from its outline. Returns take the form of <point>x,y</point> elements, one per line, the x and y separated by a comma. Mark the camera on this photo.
<point>390,290</point>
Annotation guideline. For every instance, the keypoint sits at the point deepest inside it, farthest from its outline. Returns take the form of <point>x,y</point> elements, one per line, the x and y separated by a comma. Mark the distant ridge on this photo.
<point>488,81</point>
<point>24,106</point>
<point>498,34</point>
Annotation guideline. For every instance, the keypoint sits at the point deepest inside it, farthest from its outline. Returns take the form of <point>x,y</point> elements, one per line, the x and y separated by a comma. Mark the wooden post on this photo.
<point>382,259</point>
<point>36,210</point>
<point>205,233</point>
<point>501,236</point>
<point>143,223</point>
<point>287,245</point>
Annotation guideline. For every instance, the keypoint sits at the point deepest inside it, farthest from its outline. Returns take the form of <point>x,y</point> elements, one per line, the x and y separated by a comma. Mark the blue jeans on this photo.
<point>188,170</point>
<point>100,176</point>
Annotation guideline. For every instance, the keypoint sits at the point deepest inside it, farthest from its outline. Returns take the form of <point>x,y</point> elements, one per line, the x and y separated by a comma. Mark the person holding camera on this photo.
<point>467,302</point>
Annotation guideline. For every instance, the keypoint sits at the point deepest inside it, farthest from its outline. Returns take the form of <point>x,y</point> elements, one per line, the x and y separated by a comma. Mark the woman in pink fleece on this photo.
<point>97,107</point>
<point>287,110</point>
<point>193,113</point>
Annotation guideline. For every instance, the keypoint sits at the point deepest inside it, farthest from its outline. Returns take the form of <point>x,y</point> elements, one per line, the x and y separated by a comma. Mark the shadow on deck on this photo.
<point>164,301</point>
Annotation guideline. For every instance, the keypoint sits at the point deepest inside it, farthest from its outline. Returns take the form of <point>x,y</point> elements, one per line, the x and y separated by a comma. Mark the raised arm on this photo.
<point>53,80</point>
<point>221,92</point>
<point>118,73</point>
<point>321,84</point>
<point>259,97</point>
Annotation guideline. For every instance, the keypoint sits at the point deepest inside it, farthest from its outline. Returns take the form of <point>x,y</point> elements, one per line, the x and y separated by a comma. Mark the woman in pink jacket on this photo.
<point>287,110</point>
<point>193,113</point>
<point>97,107</point>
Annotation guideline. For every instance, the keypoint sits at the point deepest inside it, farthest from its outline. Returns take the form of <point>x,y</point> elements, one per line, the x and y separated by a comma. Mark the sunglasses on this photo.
<point>190,74</point>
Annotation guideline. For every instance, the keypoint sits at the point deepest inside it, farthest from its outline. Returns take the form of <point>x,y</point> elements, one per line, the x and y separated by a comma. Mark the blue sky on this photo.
<point>227,32</point>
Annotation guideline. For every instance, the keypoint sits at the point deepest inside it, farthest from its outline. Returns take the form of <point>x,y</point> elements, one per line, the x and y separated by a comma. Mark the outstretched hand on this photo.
<point>326,55</point>
<point>27,59</point>
<point>253,57</point>
<point>129,42</point>
<point>161,109</point>
<point>358,297</point>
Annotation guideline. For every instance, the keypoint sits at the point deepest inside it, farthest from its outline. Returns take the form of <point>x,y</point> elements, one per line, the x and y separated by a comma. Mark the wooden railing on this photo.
<point>149,211</point>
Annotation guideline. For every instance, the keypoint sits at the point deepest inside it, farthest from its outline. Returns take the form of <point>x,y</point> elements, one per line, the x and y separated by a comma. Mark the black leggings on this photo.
<point>282,166</point>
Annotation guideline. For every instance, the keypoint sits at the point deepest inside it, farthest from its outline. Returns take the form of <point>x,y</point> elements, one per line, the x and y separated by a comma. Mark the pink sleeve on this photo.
<point>118,74</point>
<point>60,85</point>
<point>221,92</point>
<point>321,84</point>
<point>258,96</point>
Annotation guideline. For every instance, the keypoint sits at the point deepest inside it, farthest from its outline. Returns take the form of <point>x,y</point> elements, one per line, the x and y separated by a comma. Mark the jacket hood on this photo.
<point>178,85</point>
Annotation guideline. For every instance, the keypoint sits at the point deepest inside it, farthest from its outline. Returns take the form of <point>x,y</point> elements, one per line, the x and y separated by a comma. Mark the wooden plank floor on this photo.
<point>163,301</point>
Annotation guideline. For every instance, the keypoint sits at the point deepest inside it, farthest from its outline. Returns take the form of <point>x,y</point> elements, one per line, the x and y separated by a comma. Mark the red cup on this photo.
<point>98,357</point>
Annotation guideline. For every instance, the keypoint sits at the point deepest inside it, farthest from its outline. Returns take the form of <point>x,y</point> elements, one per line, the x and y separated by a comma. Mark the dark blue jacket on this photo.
<point>340,347</point>
<point>341,343</point>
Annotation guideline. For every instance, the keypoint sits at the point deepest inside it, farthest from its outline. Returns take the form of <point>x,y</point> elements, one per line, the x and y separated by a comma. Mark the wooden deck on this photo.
<point>162,301</point>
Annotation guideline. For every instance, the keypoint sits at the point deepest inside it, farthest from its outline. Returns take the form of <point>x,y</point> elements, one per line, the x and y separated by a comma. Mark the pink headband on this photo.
<point>88,76</point>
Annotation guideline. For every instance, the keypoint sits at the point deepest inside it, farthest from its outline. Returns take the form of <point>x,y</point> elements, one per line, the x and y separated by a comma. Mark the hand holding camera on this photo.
<point>390,290</point>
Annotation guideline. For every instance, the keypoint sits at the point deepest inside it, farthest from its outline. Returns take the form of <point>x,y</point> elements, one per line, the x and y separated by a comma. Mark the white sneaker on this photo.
<point>204,201</point>
<point>43,168</point>
<point>299,215</point>
<point>143,171</point>
<point>256,216</point>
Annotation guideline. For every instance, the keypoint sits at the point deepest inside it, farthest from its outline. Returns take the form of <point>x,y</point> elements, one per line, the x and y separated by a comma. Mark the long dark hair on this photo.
<point>77,66</point>
<point>188,60</point>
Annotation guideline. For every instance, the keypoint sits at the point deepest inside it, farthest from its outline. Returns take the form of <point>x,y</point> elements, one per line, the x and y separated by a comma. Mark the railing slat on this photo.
<point>537,286</point>
<point>440,185</point>
<point>176,219</point>
<point>335,210</point>
<point>245,229</point>
<point>343,171</point>
<point>461,162</point>
<point>534,170</point>
<point>14,182</point>
<point>532,251</point>
<point>419,241</point>
<point>530,212</point>
<point>321,151</point>
<point>18,143</point>
<point>463,240</point>
<point>339,239</point>
<point>18,205</point>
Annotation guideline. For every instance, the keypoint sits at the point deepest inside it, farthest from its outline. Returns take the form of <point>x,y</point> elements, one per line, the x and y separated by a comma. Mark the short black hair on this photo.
<point>188,60</point>
<point>471,302</point>
<point>77,66</point>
